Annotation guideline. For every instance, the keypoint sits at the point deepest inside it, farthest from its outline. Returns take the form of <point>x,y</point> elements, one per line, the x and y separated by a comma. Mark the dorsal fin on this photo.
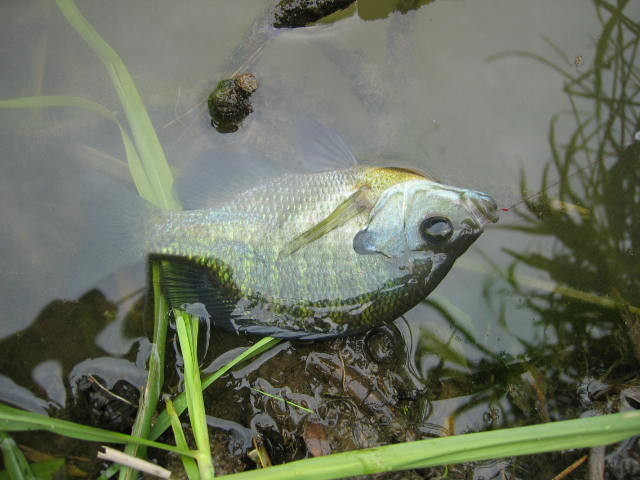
<point>218,174</point>
<point>413,171</point>
<point>319,148</point>
<point>401,161</point>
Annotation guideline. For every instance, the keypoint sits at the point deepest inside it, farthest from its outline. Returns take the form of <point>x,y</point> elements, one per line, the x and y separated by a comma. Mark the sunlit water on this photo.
<point>419,89</point>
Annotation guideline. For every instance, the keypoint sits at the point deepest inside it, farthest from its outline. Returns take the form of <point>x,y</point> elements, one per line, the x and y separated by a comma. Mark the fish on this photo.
<point>332,251</point>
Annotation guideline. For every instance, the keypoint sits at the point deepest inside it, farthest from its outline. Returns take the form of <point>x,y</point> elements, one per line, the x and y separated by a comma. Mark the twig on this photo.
<point>116,456</point>
<point>596,463</point>
<point>567,471</point>
<point>95,381</point>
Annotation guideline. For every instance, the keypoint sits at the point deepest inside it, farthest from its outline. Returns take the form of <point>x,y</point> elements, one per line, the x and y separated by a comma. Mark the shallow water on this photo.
<point>421,89</point>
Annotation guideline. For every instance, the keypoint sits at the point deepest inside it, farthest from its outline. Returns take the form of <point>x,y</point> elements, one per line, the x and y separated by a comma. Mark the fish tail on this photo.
<point>117,221</point>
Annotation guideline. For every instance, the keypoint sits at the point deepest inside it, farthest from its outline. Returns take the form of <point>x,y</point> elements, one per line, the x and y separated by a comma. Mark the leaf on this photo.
<point>135,165</point>
<point>146,140</point>
<point>568,434</point>
<point>190,465</point>
<point>13,419</point>
<point>17,466</point>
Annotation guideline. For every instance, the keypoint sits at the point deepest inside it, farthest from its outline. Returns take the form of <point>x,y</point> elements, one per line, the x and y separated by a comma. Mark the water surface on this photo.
<point>425,89</point>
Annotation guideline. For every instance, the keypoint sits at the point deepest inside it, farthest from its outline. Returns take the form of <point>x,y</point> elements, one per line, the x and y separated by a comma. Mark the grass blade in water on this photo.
<point>190,466</point>
<point>14,462</point>
<point>580,433</point>
<point>133,159</point>
<point>155,379</point>
<point>145,137</point>
<point>13,419</point>
<point>187,335</point>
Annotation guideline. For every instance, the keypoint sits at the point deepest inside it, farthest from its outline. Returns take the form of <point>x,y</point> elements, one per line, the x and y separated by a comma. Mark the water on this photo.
<point>421,88</point>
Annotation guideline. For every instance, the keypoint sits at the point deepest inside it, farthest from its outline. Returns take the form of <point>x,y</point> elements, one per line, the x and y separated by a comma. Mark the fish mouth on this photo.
<point>483,207</point>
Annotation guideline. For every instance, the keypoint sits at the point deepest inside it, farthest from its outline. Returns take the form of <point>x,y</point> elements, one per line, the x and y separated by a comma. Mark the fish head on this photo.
<point>421,222</point>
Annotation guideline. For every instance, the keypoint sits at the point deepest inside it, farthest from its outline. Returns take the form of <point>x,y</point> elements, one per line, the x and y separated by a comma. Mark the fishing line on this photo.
<point>561,180</point>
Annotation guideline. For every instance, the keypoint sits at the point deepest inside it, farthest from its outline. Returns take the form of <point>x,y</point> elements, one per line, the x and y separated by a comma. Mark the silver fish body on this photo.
<point>320,254</point>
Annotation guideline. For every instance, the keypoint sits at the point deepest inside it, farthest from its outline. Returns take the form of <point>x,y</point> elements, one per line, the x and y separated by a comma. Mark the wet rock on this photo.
<point>630,399</point>
<point>316,438</point>
<point>624,461</point>
<point>113,409</point>
<point>382,347</point>
<point>300,13</point>
<point>247,82</point>
<point>362,388</point>
<point>229,102</point>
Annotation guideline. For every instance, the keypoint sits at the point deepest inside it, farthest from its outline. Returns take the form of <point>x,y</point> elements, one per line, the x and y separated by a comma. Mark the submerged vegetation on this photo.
<point>595,224</point>
<point>586,358</point>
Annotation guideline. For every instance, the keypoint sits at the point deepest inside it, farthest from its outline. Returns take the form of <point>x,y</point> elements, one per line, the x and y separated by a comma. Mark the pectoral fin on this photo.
<point>357,203</point>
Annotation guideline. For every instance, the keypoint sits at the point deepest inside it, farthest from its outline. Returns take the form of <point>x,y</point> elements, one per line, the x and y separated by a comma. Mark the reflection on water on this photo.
<point>494,347</point>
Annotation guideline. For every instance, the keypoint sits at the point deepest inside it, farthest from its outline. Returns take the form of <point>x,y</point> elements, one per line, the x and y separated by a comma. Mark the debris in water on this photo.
<point>229,103</point>
<point>300,13</point>
<point>316,438</point>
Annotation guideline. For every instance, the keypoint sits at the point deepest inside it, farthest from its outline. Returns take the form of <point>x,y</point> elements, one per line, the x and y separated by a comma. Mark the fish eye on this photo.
<point>436,230</point>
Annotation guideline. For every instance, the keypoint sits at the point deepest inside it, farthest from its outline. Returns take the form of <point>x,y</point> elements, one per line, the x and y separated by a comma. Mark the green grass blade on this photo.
<point>263,345</point>
<point>58,101</point>
<point>109,472</point>
<point>138,174</point>
<point>14,462</point>
<point>580,433</point>
<point>155,379</point>
<point>13,419</point>
<point>187,336</point>
<point>150,172</point>
<point>145,137</point>
<point>275,397</point>
<point>180,402</point>
<point>135,165</point>
<point>153,178</point>
<point>46,470</point>
<point>190,466</point>
<point>539,58</point>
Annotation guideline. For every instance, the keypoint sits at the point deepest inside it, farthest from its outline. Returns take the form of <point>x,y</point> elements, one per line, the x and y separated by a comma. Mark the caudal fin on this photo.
<point>116,220</point>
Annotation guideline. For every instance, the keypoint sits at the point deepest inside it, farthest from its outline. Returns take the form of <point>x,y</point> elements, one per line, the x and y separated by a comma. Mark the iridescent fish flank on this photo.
<point>317,254</point>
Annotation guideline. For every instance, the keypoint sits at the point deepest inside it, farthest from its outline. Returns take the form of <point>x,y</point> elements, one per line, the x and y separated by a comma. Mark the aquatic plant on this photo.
<point>586,307</point>
<point>591,212</point>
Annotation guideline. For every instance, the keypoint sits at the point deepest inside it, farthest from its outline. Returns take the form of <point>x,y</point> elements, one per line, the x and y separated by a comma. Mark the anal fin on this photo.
<point>197,289</point>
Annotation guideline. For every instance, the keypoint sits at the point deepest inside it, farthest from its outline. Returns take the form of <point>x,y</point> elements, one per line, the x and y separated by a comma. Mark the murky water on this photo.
<point>459,89</point>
